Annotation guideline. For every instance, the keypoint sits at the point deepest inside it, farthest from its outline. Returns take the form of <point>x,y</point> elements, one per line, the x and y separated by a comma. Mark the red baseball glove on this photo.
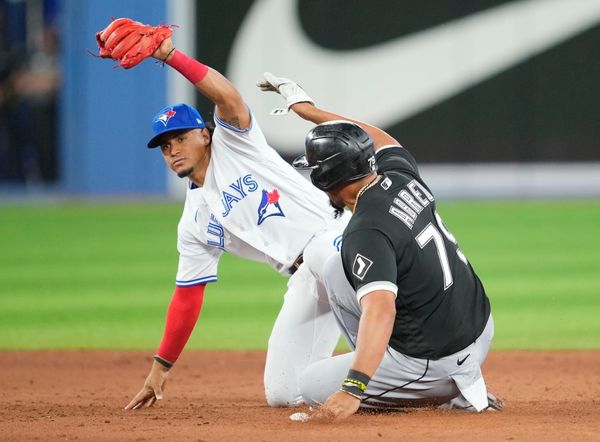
<point>129,42</point>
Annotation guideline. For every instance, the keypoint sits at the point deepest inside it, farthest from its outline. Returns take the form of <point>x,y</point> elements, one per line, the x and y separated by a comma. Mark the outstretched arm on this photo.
<point>299,101</point>
<point>229,105</point>
<point>181,318</point>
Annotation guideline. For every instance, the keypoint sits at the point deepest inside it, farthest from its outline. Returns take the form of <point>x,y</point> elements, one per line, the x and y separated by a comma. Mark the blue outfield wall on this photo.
<point>106,112</point>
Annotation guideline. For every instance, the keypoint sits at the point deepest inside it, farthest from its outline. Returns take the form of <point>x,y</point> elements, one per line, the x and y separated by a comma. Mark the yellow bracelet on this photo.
<point>361,385</point>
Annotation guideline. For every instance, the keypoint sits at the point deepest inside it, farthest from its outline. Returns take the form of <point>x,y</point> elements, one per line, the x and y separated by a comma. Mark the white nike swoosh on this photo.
<point>392,81</point>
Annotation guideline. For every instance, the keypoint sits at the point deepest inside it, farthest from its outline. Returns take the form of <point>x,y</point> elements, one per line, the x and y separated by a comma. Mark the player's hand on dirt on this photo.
<point>165,50</point>
<point>338,406</point>
<point>152,390</point>
<point>288,89</point>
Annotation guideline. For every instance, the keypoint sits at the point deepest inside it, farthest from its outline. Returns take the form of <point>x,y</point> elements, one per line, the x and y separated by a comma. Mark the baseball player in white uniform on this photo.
<point>242,198</point>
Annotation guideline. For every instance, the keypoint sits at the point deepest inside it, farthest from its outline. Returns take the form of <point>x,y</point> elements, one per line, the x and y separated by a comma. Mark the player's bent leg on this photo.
<point>304,332</point>
<point>404,381</point>
<point>400,381</point>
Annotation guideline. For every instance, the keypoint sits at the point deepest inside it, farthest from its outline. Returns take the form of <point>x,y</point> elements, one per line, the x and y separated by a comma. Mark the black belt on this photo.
<point>296,265</point>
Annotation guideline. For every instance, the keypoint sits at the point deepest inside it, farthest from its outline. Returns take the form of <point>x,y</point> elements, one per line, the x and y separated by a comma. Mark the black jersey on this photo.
<point>396,240</point>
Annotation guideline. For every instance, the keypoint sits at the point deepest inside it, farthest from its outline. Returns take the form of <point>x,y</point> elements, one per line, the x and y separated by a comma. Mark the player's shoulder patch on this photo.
<point>361,266</point>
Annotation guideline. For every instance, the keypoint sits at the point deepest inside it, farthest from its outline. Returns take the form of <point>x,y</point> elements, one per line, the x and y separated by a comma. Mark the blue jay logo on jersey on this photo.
<point>269,205</point>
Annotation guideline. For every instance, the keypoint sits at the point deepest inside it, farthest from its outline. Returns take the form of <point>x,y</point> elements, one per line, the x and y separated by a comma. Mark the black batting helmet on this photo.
<point>337,152</point>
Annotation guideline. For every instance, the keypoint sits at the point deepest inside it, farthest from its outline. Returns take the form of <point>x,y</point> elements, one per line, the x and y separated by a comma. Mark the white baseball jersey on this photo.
<point>253,204</point>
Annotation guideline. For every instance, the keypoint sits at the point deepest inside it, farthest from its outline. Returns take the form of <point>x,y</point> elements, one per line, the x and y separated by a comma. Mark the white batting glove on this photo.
<point>288,89</point>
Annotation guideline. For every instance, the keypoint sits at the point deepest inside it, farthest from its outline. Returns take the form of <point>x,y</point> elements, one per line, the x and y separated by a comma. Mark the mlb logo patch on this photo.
<point>386,183</point>
<point>361,266</point>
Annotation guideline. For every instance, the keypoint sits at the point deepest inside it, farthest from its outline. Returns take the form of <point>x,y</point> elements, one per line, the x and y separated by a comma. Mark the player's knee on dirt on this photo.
<point>281,394</point>
<point>280,380</point>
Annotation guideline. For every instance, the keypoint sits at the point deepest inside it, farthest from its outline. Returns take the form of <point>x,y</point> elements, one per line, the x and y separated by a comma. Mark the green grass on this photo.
<point>540,264</point>
<point>101,276</point>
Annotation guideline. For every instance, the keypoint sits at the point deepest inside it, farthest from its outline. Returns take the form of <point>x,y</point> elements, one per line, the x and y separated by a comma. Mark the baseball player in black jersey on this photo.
<point>406,298</point>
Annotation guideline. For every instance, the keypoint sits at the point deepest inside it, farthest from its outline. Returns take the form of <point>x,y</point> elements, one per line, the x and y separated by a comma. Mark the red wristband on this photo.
<point>191,69</point>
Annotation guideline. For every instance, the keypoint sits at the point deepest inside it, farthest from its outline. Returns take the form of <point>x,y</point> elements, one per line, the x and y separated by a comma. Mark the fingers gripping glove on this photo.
<point>129,42</point>
<point>288,89</point>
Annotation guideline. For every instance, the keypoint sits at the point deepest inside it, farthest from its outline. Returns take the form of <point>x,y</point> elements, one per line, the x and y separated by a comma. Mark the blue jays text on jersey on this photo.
<point>216,230</point>
<point>240,188</point>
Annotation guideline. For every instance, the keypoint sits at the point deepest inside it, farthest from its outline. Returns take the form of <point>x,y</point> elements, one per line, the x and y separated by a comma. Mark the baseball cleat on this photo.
<point>494,404</point>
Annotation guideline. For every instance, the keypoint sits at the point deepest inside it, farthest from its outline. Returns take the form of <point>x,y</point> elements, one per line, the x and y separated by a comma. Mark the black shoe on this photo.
<point>494,404</point>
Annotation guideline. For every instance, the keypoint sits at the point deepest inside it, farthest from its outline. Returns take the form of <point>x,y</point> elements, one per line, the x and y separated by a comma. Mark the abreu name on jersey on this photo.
<point>410,201</point>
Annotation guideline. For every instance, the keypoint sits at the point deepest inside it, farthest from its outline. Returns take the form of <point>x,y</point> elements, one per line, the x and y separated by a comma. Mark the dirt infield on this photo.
<point>217,396</point>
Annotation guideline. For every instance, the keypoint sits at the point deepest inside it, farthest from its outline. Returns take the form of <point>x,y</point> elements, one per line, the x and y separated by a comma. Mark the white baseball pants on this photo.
<point>305,330</point>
